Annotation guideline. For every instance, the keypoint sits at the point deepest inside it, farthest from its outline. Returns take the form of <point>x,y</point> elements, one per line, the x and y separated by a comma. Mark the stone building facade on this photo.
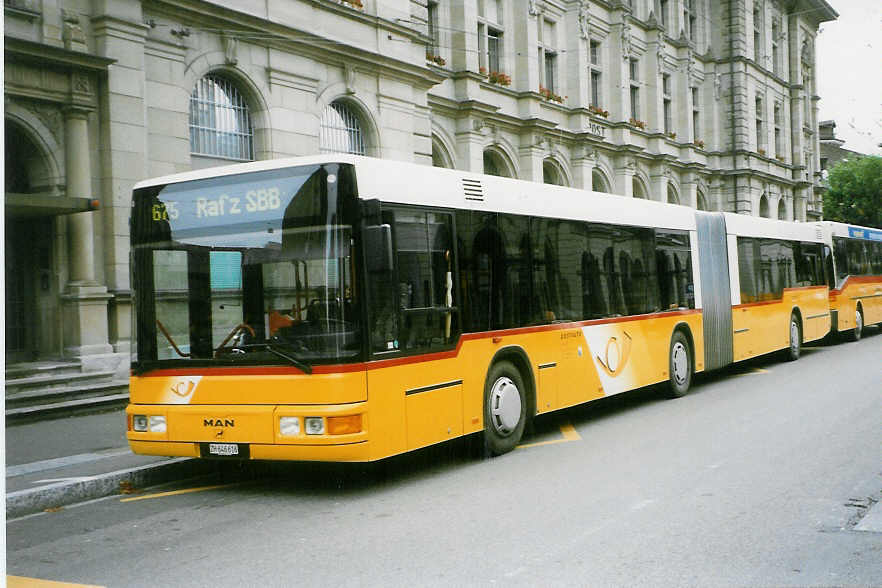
<point>707,104</point>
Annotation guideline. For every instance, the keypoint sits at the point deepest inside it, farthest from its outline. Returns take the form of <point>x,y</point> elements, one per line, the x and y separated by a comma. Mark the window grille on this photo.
<point>220,121</point>
<point>340,130</point>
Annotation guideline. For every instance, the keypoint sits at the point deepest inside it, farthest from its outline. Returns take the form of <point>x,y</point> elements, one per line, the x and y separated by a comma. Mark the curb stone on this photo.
<point>32,500</point>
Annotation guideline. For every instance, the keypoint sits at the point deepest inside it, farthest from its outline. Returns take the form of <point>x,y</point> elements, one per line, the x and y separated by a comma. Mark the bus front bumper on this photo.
<point>272,432</point>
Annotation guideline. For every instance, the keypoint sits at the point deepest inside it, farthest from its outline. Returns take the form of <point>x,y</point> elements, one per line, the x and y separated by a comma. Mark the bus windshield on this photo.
<point>244,269</point>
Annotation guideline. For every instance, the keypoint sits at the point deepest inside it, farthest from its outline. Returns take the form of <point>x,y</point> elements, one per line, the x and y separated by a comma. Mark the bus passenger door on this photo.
<point>415,309</point>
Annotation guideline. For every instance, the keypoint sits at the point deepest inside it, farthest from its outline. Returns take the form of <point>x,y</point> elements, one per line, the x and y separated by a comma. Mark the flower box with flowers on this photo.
<point>637,123</point>
<point>436,59</point>
<point>357,4</point>
<point>551,96</point>
<point>598,111</point>
<point>497,77</point>
<point>672,136</point>
<point>698,143</point>
<point>761,151</point>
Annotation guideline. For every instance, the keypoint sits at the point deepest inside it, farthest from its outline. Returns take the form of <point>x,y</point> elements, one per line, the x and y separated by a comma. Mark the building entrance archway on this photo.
<point>33,327</point>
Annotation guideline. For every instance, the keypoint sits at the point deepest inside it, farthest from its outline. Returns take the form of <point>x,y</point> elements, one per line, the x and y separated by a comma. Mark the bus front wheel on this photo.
<point>505,408</point>
<point>679,366</point>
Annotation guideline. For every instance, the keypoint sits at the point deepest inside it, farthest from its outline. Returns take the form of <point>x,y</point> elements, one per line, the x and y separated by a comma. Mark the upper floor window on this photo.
<point>689,19</point>
<point>548,55</point>
<point>760,126</point>
<point>757,31</point>
<point>432,22</point>
<point>779,138</point>
<point>220,121</point>
<point>663,12</point>
<point>666,101</point>
<point>696,114</point>
<point>595,74</point>
<point>634,71</point>
<point>776,51</point>
<point>490,36</point>
<point>340,130</point>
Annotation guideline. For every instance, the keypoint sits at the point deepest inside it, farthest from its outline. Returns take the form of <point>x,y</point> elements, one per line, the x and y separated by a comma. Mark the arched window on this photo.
<point>340,130</point>
<point>495,165</point>
<point>637,189</point>
<point>672,195</point>
<point>551,174</point>
<point>598,181</point>
<point>764,207</point>
<point>220,121</point>
<point>782,209</point>
<point>440,156</point>
<point>701,202</point>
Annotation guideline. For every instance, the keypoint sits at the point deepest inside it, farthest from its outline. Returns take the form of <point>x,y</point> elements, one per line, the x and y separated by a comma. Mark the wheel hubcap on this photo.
<point>794,336</point>
<point>680,362</point>
<point>858,321</point>
<point>505,406</point>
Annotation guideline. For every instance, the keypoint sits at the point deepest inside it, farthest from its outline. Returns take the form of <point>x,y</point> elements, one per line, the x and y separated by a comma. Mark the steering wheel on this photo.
<point>238,328</point>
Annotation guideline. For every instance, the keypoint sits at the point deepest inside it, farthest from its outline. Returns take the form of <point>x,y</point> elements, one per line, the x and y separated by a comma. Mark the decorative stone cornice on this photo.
<point>52,57</point>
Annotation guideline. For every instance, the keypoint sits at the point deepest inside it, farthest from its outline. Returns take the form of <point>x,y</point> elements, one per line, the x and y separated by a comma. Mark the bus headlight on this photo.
<point>157,424</point>
<point>315,426</point>
<point>289,426</point>
<point>139,423</point>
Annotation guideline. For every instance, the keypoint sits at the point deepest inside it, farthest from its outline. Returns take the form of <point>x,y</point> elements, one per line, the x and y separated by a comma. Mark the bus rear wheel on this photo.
<point>679,366</point>
<point>505,408</point>
<point>855,334</point>
<point>795,348</point>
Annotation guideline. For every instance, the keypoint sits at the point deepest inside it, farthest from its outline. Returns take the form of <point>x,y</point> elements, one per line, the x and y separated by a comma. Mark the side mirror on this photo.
<point>378,248</point>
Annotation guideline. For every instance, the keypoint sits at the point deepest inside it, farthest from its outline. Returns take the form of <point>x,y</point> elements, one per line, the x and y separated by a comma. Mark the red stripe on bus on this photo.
<point>423,357</point>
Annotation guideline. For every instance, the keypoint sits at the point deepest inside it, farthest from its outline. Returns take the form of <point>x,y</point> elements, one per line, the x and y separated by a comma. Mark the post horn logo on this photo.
<point>616,355</point>
<point>184,388</point>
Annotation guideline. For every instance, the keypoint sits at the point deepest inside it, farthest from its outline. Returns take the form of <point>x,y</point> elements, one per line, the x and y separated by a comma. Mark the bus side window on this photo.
<point>424,288</point>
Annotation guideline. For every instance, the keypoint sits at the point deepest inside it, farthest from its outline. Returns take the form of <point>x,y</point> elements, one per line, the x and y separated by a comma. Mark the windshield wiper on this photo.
<point>305,367</point>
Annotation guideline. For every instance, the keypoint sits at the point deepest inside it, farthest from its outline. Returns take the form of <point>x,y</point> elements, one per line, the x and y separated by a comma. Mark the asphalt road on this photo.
<point>757,477</point>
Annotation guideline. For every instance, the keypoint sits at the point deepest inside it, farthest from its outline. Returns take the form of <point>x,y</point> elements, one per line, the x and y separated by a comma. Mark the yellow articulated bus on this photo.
<point>343,308</point>
<point>855,277</point>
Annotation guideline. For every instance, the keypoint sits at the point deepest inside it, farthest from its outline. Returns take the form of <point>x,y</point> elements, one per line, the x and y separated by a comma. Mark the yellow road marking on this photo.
<point>22,582</point>
<point>176,492</point>
<point>567,430</point>
<point>752,372</point>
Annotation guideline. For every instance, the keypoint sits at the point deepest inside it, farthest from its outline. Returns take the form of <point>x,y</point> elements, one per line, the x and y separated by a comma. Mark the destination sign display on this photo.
<point>868,234</point>
<point>252,205</point>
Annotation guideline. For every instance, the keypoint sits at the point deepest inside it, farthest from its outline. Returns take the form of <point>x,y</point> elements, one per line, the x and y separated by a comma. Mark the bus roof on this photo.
<point>752,226</point>
<point>410,183</point>
<point>837,229</point>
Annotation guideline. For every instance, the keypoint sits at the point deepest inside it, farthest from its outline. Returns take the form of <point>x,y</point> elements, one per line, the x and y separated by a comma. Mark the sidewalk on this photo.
<point>62,461</point>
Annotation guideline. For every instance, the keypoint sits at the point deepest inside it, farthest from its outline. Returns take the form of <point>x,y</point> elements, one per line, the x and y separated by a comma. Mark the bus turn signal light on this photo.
<point>343,425</point>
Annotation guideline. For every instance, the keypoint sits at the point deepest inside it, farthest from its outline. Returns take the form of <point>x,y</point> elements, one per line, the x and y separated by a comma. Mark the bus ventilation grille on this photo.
<point>473,190</point>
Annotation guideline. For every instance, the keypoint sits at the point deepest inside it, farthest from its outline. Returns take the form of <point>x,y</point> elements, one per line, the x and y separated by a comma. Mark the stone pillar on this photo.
<point>531,155</point>
<point>624,179</point>
<point>583,167</point>
<point>79,185</point>
<point>658,190</point>
<point>470,145</point>
<point>85,314</point>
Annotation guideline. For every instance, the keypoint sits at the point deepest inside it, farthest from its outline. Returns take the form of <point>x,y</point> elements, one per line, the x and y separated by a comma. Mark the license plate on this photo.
<point>223,449</point>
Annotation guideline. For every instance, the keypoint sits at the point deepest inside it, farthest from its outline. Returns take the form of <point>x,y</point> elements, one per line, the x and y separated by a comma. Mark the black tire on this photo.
<point>794,350</point>
<point>505,408</point>
<point>680,368</point>
<point>857,331</point>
